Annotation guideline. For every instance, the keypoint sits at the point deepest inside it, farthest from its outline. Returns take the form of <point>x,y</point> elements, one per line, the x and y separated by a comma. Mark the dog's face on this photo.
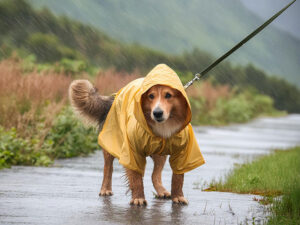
<point>165,109</point>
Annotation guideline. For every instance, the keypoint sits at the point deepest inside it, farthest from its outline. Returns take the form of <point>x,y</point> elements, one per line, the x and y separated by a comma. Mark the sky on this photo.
<point>288,21</point>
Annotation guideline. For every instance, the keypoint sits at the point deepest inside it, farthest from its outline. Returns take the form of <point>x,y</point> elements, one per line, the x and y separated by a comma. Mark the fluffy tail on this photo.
<point>88,103</point>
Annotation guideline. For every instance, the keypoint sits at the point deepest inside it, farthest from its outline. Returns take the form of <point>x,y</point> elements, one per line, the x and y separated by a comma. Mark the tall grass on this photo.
<point>110,81</point>
<point>221,105</point>
<point>28,98</point>
<point>35,127</point>
<point>211,94</point>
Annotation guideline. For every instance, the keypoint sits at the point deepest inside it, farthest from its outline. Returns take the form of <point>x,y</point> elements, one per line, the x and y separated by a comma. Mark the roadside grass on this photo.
<point>29,98</point>
<point>220,105</point>
<point>65,138</point>
<point>36,124</point>
<point>271,176</point>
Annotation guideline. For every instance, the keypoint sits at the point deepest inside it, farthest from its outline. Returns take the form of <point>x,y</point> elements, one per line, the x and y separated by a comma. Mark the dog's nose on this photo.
<point>158,113</point>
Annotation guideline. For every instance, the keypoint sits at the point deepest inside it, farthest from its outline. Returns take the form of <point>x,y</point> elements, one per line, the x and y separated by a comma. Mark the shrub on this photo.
<point>72,67</point>
<point>48,48</point>
<point>69,138</point>
<point>66,138</point>
<point>15,150</point>
<point>221,105</point>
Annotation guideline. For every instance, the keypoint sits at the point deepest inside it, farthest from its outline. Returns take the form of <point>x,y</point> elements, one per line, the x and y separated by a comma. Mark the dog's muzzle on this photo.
<point>158,115</point>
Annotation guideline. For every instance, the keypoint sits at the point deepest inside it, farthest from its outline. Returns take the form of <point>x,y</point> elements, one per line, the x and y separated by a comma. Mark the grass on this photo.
<point>28,98</point>
<point>36,124</point>
<point>66,137</point>
<point>221,105</point>
<point>110,81</point>
<point>270,176</point>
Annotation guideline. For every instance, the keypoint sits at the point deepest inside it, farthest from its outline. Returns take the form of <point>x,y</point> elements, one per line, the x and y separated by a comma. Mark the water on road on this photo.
<point>68,192</point>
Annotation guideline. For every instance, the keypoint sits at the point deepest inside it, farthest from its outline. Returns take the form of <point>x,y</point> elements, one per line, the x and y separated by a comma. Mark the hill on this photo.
<point>175,26</point>
<point>289,21</point>
<point>52,41</point>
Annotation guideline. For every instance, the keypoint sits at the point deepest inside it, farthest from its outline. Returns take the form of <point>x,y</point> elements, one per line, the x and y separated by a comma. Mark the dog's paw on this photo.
<point>163,195</point>
<point>138,201</point>
<point>105,193</point>
<point>180,200</point>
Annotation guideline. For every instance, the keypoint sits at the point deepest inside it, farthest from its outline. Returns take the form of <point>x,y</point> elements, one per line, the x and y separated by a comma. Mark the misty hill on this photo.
<point>289,21</point>
<point>175,26</point>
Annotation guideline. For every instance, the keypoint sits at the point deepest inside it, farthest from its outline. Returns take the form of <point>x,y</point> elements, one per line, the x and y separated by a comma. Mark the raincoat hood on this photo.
<point>159,75</point>
<point>126,135</point>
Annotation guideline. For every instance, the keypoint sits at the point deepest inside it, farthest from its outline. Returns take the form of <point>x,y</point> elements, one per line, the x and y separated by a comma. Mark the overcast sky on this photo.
<point>288,21</point>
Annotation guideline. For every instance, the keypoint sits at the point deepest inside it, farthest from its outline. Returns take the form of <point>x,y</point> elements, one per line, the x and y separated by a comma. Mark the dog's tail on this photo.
<point>88,102</point>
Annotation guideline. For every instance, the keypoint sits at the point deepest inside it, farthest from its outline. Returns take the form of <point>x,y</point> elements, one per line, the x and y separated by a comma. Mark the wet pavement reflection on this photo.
<point>68,192</point>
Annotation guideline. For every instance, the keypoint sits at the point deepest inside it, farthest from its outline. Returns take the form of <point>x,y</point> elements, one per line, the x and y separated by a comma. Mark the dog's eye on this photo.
<point>151,96</point>
<point>168,95</point>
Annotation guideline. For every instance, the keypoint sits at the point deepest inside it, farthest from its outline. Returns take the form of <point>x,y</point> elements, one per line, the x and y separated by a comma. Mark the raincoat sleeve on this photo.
<point>189,158</point>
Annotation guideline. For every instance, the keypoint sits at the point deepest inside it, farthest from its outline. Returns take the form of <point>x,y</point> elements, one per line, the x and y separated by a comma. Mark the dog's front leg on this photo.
<point>176,190</point>
<point>136,186</point>
<point>159,162</point>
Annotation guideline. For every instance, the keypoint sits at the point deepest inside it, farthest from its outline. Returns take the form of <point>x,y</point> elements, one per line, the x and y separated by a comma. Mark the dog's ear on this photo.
<point>144,96</point>
<point>145,106</point>
<point>181,108</point>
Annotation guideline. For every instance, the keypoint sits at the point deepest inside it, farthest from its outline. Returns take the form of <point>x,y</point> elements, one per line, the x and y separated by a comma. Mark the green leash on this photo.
<point>198,76</point>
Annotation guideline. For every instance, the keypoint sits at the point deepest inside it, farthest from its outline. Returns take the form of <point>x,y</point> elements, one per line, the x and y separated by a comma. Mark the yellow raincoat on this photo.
<point>126,135</point>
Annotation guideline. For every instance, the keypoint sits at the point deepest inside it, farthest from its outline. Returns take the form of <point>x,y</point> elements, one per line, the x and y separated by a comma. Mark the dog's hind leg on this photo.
<point>159,162</point>
<point>136,186</point>
<point>107,174</point>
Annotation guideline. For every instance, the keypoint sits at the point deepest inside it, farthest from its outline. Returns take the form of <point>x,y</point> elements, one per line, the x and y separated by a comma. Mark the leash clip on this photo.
<point>196,77</point>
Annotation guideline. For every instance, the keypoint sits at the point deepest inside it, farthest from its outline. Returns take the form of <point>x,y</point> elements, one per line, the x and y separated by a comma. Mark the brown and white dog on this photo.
<point>165,111</point>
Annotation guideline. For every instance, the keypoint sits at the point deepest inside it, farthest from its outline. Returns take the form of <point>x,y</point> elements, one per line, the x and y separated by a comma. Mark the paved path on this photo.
<point>68,192</point>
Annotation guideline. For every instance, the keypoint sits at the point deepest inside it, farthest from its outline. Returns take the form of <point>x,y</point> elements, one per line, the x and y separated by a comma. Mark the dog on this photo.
<point>148,117</point>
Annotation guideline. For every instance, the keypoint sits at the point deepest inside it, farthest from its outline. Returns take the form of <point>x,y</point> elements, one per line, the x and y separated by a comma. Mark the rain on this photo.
<point>245,110</point>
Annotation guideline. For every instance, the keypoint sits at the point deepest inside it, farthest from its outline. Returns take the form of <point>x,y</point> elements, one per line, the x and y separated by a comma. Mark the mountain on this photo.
<point>175,26</point>
<point>289,21</point>
<point>40,36</point>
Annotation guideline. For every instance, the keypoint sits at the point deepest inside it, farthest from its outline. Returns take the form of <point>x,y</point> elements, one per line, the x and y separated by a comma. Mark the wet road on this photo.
<point>68,192</point>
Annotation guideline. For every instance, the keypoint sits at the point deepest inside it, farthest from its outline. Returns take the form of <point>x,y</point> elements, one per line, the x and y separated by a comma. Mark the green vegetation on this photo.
<point>69,138</point>
<point>231,107</point>
<point>269,175</point>
<point>287,210</point>
<point>272,175</point>
<point>51,39</point>
<point>285,95</point>
<point>36,124</point>
<point>66,138</point>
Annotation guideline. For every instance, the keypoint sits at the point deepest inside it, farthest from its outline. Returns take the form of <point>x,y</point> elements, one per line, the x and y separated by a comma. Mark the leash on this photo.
<point>199,76</point>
